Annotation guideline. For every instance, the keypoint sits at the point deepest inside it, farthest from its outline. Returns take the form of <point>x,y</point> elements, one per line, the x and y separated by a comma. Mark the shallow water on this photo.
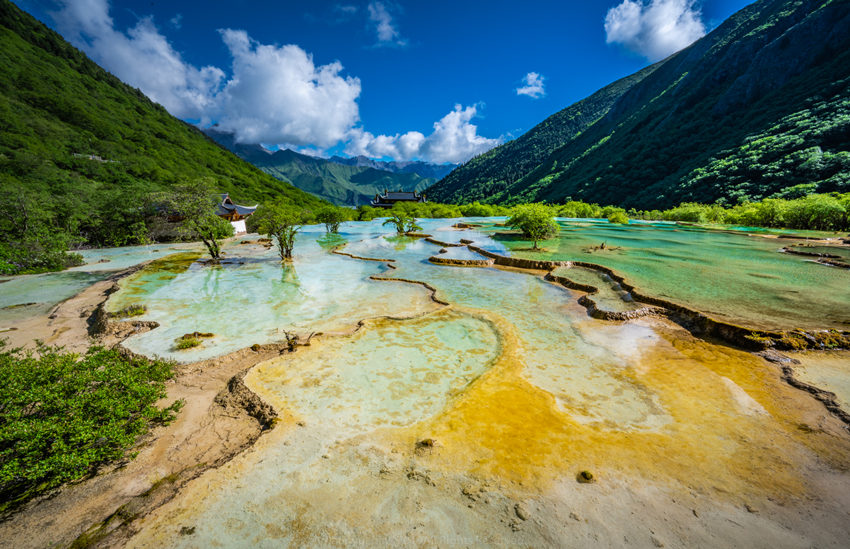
<point>392,373</point>
<point>726,274</point>
<point>43,291</point>
<point>513,382</point>
<point>610,296</point>
<point>828,370</point>
<point>253,298</point>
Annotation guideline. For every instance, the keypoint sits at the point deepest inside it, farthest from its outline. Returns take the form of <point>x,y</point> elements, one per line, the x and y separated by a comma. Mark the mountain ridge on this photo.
<point>756,108</point>
<point>353,183</point>
<point>86,148</point>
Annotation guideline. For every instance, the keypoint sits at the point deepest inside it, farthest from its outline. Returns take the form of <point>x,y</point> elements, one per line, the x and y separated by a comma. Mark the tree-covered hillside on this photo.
<point>757,108</point>
<point>491,173</point>
<point>346,184</point>
<point>79,149</point>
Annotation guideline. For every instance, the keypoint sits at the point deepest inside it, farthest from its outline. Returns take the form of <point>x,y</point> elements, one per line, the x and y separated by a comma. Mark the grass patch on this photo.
<point>62,415</point>
<point>131,311</point>
<point>187,343</point>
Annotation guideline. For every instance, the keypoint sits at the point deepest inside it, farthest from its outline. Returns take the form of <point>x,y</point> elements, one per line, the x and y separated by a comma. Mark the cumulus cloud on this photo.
<point>278,95</point>
<point>384,24</point>
<point>533,86</point>
<point>142,57</point>
<point>454,139</point>
<point>273,94</point>
<point>655,29</point>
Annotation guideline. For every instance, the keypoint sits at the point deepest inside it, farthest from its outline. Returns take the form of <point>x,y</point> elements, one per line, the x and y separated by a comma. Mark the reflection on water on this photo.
<point>732,276</point>
<point>43,291</point>
<point>513,383</point>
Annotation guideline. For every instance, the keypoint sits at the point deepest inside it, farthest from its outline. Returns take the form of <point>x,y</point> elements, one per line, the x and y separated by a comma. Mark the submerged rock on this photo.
<point>585,477</point>
<point>521,511</point>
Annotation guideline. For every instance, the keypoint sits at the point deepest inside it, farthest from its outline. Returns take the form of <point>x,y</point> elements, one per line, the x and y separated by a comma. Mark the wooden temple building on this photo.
<point>387,199</point>
<point>235,213</point>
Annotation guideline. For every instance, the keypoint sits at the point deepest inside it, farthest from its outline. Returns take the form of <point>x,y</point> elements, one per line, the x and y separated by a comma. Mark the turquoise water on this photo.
<point>392,374</point>
<point>343,399</point>
<point>558,348</point>
<point>732,276</point>
<point>610,296</point>
<point>46,290</point>
<point>253,298</point>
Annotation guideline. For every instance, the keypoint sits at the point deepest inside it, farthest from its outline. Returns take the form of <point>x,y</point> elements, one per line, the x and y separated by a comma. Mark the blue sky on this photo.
<point>433,80</point>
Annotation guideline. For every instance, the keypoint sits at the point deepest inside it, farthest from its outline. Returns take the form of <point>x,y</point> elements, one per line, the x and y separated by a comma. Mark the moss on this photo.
<point>130,311</point>
<point>761,339</point>
<point>187,343</point>
<point>832,339</point>
<point>585,477</point>
<point>793,341</point>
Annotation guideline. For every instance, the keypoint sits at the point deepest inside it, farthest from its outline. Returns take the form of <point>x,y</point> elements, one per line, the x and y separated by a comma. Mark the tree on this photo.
<point>401,216</point>
<point>331,217</point>
<point>403,222</point>
<point>30,240</point>
<point>536,221</point>
<point>619,216</point>
<point>281,221</point>
<point>193,205</point>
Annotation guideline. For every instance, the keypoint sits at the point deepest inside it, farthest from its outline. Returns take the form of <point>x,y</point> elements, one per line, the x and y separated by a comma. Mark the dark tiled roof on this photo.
<point>227,207</point>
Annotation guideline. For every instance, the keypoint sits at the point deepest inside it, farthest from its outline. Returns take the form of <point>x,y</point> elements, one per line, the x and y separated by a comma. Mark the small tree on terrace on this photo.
<point>401,217</point>
<point>536,221</point>
<point>332,217</point>
<point>280,221</point>
<point>194,205</point>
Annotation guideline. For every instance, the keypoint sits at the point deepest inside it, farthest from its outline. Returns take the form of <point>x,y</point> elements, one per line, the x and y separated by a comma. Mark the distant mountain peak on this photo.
<point>344,181</point>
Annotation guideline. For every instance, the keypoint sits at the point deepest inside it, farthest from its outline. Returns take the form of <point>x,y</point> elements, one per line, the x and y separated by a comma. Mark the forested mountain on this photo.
<point>353,183</point>
<point>758,107</point>
<point>424,169</point>
<point>79,149</point>
<point>488,175</point>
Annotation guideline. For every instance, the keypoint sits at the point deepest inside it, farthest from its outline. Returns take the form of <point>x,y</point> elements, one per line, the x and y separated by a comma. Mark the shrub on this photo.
<point>618,217</point>
<point>184,343</point>
<point>65,414</point>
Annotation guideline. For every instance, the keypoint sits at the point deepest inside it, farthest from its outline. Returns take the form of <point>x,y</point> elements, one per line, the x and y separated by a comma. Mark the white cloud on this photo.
<point>346,9</point>
<point>273,94</point>
<point>454,139</point>
<point>533,86</point>
<point>655,29</point>
<point>278,95</point>
<point>176,21</point>
<point>142,57</point>
<point>385,27</point>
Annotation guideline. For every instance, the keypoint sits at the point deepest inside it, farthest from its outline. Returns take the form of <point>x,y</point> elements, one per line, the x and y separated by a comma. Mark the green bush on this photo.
<point>63,414</point>
<point>187,343</point>
<point>620,217</point>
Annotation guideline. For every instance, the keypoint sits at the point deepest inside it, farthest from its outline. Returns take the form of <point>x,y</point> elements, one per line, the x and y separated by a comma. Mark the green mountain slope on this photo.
<point>341,184</point>
<point>83,144</point>
<point>493,172</point>
<point>759,107</point>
